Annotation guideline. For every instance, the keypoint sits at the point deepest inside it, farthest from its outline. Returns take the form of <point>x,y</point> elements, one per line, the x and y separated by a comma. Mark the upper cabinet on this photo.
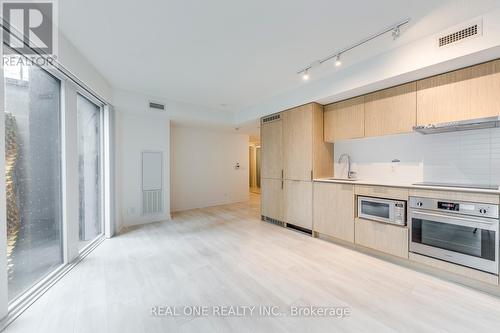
<point>271,131</point>
<point>467,93</point>
<point>344,120</point>
<point>305,155</point>
<point>391,111</point>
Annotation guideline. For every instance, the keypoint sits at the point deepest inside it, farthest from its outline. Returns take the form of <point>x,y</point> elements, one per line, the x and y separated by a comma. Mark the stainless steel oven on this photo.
<point>464,233</point>
<point>382,210</point>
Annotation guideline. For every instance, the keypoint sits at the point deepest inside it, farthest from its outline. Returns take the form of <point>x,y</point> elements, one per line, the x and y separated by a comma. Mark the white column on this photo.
<point>109,172</point>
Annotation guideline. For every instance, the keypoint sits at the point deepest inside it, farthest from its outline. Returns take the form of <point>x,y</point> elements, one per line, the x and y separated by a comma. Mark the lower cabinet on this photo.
<point>333,210</point>
<point>272,198</point>
<point>298,203</point>
<point>388,238</point>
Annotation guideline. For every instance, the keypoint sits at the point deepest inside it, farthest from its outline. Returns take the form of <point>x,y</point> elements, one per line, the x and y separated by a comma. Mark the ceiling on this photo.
<point>228,54</point>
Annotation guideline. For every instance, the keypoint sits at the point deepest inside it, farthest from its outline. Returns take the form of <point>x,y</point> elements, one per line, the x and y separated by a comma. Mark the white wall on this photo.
<point>203,167</point>
<point>469,157</point>
<point>78,65</point>
<point>180,112</point>
<point>136,133</point>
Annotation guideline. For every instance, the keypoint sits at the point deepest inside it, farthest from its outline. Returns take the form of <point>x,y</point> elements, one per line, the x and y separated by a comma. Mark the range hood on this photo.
<point>463,125</point>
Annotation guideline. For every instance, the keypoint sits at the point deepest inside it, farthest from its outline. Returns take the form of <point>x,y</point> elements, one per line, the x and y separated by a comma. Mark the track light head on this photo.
<point>305,75</point>
<point>338,62</point>
<point>396,33</point>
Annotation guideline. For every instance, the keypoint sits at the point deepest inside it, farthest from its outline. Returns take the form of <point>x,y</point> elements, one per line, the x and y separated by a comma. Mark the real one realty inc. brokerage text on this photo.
<point>249,311</point>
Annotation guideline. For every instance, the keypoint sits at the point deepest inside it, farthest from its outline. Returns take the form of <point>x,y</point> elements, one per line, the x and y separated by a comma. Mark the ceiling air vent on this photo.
<point>157,106</point>
<point>268,119</point>
<point>470,31</point>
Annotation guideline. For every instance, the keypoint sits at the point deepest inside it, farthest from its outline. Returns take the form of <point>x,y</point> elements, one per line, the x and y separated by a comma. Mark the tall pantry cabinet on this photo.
<point>293,154</point>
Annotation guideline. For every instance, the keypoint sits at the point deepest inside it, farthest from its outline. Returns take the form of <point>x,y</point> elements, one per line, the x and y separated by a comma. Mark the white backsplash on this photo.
<point>469,157</point>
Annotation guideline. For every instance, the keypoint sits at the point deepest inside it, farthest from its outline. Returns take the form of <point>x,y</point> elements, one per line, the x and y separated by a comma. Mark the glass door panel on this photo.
<point>89,167</point>
<point>33,176</point>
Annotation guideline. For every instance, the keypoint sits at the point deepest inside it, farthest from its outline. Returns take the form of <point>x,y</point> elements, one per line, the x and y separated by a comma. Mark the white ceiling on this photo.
<point>237,53</point>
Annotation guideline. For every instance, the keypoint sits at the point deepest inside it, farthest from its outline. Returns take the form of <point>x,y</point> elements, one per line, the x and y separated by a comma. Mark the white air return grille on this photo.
<point>473,30</point>
<point>157,106</point>
<point>152,202</point>
<point>152,183</point>
<point>268,119</point>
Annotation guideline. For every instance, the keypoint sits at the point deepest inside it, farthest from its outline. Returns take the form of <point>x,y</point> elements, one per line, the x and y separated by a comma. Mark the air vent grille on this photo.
<point>157,106</point>
<point>468,32</point>
<point>268,119</point>
<point>273,221</point>
<point>152,202</point>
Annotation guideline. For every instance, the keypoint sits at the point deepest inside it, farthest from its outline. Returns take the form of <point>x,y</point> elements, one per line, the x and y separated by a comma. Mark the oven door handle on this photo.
<point>473,222</point>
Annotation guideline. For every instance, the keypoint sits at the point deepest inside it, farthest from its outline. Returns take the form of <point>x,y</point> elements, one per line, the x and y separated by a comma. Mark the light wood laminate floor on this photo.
<point>226,256</point>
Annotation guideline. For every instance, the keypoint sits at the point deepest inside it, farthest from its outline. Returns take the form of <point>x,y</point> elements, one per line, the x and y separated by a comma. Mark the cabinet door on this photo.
<point>298,203</point>
<point>344,120</point>
<point>333,210</point>
<point>271,198</point>
<point>443,98</point>
<point>391,111</point>
<point>484,90</point>
<point>297,143</point>
<point>271,149</point>
<point>382,237</point>
<point>459,95</point>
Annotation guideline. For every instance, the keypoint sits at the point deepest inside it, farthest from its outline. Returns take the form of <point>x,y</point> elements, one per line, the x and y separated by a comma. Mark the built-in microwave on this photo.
<point>382,210</point>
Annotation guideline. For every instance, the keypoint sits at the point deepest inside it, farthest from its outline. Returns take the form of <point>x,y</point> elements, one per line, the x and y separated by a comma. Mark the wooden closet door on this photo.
<point>271,149</point>
<point>298,143</point>
<point>298,203</point>
<point>272,198</point>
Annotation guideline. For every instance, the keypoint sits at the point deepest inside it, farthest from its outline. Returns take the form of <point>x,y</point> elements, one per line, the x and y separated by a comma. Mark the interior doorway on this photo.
<point>254,174</point>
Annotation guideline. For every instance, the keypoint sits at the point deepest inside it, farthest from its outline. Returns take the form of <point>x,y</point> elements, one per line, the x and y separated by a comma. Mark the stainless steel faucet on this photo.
<point>350,174</point>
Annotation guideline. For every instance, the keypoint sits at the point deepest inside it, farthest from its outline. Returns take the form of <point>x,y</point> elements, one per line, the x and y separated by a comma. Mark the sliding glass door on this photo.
<point>89,167</point>
<point>33,176</point>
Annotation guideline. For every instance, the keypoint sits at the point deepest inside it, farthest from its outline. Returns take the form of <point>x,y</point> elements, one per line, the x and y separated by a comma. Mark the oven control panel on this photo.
<point>459,207</point>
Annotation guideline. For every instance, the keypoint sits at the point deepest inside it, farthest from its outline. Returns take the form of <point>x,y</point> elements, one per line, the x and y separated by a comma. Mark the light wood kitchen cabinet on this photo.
<point>305,154</point>
<point>386,192</point>
<point>391,111</point>
<point>271,132</point>
<point>272,198</point>
<point>297,143</point>
<point>344,120</point>
<point>383,237</point>
<point>298,203</point>
<point>293,149</point>
<point>333,210</point>
<point>467,93</point>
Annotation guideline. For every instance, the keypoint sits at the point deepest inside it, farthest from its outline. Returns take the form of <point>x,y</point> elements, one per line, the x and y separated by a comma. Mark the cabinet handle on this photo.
<point>311,175</point>
<point>282,184</point>
<point>281,173</point>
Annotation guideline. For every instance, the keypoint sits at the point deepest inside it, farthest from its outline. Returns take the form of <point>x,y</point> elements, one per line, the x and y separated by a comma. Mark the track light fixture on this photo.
<point>395,29</point>
<point>396,33</point>
<point>338,62</point>
<point>305,75</point>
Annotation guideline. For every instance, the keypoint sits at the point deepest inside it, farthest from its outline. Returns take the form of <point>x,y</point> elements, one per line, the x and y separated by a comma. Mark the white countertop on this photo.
<point>405,185</point>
